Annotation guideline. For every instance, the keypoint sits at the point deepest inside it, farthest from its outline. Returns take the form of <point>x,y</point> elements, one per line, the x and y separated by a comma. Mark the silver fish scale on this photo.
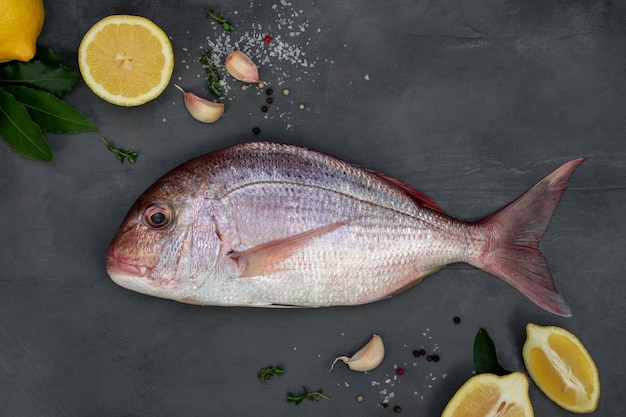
<point>222,172</point>
<point>385,242</point>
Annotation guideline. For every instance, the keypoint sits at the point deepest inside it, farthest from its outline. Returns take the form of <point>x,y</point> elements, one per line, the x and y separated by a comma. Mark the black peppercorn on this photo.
<point>256,130</point>
<point>456,320</point>
<point>269,91</point>
<point>264,109</point>
<point>269,100</point>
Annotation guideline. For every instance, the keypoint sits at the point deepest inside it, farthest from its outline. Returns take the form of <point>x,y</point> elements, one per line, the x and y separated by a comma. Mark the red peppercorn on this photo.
<point>397,409</point>
<point>400,371</point>
<point>267,39</point>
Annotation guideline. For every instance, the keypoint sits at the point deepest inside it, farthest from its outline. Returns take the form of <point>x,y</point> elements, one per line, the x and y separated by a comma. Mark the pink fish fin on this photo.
<point>514,231</point>
<point>415,195</point>
<point>263,259</point>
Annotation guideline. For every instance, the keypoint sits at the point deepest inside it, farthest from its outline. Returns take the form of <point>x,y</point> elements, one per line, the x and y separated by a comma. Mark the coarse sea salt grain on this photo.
<point>288,58</point>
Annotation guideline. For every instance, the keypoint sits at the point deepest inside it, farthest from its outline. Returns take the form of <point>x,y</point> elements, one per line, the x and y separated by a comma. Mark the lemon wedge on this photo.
<point>562,368</point>
<point>126,60</point>
<point>489,395</point>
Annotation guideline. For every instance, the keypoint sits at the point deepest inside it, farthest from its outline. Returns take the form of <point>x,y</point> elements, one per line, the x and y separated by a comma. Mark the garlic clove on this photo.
<point>241,67</point>
<point>200,109</point>
<point>367,358</point>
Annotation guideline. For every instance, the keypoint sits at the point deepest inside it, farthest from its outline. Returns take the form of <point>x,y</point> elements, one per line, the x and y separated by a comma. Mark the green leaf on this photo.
<point>19,131</point>
<point>485,358</point>
<point>48,56</point>
<point>49,112</point>
<point>53,78</point>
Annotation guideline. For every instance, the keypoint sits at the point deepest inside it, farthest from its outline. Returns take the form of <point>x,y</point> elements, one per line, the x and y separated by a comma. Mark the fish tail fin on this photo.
<point>512,252</point>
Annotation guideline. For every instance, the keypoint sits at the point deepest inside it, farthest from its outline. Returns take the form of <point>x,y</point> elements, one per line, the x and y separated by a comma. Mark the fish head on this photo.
<point>167,246</point>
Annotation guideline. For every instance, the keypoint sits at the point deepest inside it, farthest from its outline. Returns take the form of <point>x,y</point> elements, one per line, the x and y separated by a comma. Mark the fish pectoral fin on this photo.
<point>264,259</point>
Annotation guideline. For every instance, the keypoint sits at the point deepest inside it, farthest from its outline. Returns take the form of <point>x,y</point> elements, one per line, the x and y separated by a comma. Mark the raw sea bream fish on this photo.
<point>266,224</point>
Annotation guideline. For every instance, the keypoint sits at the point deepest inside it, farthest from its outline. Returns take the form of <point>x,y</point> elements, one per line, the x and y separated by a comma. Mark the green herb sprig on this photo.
<point>228,27</point>
<point>213,78</point>
<point>266,373</point>
<point>306,395</point>
<point>121,154</point>
<point>30,103</point>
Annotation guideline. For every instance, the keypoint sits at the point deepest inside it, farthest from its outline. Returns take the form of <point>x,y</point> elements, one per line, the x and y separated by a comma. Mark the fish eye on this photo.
<point>157,216</point>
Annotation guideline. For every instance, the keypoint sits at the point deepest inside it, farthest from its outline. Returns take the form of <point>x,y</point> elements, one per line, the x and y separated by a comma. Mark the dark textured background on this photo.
<point>469,102</point>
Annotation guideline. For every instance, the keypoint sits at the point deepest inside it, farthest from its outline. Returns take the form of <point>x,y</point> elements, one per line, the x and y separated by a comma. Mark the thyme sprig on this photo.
<point>306,395</point>
<point>266,373</point>
<point>228,27</point>
<point>121,154</point>
<point>213,78</point>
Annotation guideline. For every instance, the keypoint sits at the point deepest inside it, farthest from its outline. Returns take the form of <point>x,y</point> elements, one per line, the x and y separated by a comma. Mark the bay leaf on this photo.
<point>485,357</point>
<point>53,78</point>
<point>48,56</point>
<point>19,131</point>
<point>49,112</point>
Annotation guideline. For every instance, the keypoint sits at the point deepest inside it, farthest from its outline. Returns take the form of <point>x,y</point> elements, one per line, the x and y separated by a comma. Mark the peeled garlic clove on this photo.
<point>367,358</point>
<point>200,109</point>
<point>241,67</point>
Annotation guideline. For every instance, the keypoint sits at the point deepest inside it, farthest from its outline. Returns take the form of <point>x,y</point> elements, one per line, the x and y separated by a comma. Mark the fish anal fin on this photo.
<point>265,258</point>
<point>415,195</point>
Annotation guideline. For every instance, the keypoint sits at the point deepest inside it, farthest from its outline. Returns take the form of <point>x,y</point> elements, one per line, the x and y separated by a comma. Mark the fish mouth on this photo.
<point>126,275</point>
<point>131,277</point>
<point>117,267</point>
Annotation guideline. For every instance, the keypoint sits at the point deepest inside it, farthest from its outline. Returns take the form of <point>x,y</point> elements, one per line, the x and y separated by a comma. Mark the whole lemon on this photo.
<point>20,26</point>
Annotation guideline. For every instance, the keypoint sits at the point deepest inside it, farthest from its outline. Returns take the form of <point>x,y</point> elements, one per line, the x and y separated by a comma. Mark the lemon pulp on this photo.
<point>489,395</point>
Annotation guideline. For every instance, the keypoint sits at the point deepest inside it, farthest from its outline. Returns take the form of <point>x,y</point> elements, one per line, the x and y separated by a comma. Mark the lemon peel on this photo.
<point>20,25</point>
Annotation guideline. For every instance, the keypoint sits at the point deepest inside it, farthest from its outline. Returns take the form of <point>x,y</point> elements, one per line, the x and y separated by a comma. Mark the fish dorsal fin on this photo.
<point>263,259</point>
<point>415,195</point>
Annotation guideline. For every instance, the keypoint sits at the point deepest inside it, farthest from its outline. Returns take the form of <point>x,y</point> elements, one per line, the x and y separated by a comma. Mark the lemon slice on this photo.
<point>561,367</point>
<point>489,395</point>
<point>126,60</point>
